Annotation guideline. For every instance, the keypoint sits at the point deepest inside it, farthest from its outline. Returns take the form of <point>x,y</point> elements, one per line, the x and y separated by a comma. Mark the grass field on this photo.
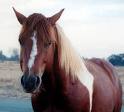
<point>10,80</point>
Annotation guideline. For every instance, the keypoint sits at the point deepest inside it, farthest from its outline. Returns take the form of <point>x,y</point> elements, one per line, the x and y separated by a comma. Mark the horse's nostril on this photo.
<point>30,82</point>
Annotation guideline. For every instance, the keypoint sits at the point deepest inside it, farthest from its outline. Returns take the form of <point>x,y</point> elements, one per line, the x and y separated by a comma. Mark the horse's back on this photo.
<point>107,87</point>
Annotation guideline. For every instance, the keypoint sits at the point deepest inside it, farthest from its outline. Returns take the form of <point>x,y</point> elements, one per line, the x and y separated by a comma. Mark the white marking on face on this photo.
<point>87,80</point>
<point>33,51</point>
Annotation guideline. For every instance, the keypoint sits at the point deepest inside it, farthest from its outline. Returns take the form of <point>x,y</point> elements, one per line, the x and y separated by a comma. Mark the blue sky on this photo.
<point>95,27</point>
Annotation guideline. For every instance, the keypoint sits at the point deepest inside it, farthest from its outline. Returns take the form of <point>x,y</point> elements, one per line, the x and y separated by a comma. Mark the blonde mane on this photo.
<point>73,64</point>
<point>69,58</point>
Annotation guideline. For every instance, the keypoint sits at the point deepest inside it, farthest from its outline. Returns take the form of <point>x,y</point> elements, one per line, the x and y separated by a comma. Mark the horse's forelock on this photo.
<point>39,23</point>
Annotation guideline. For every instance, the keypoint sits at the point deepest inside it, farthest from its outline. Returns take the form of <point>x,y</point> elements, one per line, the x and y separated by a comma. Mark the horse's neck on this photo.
<point>55,79</point>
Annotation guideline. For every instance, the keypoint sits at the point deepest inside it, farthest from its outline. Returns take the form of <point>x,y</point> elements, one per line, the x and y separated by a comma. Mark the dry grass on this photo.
<point>10,80</point>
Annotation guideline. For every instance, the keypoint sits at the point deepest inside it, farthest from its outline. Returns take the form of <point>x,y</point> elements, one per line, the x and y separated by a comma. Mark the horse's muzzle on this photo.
<point>30,82</point>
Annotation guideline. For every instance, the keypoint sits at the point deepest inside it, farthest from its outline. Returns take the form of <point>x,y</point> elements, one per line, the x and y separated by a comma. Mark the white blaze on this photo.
<point>33,51</point>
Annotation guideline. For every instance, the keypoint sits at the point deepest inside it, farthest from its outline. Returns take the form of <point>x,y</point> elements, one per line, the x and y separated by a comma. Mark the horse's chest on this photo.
<point>74,100</point>
<point>67,104</point>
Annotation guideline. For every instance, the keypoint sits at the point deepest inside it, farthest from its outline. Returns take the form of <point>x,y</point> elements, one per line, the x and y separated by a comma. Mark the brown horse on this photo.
<point>57,77</point>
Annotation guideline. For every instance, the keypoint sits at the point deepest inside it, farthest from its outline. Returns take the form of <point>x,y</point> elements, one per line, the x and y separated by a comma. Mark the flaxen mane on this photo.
<point>73,64</point>
<point>69,59</point>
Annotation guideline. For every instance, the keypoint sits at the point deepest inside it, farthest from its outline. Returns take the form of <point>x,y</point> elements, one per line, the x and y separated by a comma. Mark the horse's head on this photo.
<point>37,40</point>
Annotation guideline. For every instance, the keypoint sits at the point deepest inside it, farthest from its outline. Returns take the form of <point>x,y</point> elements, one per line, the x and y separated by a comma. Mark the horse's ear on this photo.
<point>21,18</point>
<point>55,17</point>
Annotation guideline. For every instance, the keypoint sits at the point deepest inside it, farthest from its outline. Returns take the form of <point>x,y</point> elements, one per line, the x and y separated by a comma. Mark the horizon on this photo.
<point>12,54</point>
<point>95,28</point>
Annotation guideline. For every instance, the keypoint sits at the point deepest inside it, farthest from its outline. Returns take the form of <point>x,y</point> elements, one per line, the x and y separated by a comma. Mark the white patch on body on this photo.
<point>87,80</point>
<point>33,51</point>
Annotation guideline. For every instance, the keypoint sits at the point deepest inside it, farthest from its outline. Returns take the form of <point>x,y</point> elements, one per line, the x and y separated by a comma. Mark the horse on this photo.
<point>58,79</point>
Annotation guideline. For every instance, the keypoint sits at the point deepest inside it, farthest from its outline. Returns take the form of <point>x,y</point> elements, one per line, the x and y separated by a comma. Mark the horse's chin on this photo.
<point>37,90</point>
<point>33,91</point>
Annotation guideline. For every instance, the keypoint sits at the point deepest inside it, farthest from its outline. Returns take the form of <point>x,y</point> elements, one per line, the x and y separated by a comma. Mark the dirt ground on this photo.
<point>10,80</point>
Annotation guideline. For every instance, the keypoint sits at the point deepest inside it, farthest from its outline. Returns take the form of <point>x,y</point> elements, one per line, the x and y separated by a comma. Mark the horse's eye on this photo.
<point>46,45</point>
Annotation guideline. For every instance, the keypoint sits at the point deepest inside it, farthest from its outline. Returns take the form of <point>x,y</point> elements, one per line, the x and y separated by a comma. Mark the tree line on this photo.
<point>116,60</point>
<point>14,56</point>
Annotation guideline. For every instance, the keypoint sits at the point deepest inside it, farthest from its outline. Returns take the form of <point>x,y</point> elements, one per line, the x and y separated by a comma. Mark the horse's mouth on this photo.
<point>41,88</point>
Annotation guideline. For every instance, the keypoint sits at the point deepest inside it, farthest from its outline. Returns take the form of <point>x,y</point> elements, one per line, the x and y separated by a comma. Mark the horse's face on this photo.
<point>37,40</point>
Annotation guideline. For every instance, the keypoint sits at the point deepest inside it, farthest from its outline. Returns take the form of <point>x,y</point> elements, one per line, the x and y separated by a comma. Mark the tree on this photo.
<point>117,60</point>
<point>2,56</point>
<point>15,55</point>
